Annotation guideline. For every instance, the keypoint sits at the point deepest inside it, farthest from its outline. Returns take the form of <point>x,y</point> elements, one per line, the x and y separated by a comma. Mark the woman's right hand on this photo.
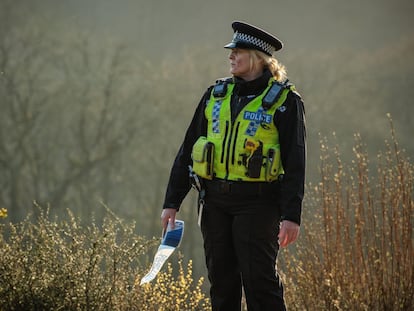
<point>168,216</point>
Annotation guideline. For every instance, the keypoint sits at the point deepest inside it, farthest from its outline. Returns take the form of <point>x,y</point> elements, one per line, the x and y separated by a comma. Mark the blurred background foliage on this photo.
<point>95,96</point>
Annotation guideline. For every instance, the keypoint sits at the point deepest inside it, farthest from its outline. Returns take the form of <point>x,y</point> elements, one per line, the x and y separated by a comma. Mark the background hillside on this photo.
<point>96,95</point>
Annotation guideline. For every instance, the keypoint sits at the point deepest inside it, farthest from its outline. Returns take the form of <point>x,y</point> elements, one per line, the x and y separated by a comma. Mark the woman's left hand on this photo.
<point>288,233</point>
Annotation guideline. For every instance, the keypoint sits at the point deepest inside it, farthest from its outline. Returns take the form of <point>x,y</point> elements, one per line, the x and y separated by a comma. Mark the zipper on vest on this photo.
<point>229,144</point>
<point>234,143</point>
<point>228,151</point>
<point>224,142</point>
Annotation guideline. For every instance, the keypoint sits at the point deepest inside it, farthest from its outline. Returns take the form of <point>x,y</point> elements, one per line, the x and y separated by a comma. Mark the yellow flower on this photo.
<point>3,213</point>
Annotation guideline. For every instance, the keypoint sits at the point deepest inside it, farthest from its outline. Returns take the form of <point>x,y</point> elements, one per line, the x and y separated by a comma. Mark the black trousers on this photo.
<point>240,241</point>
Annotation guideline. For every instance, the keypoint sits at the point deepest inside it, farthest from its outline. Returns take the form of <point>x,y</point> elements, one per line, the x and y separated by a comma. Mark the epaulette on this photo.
<point>273,94</point>
<point>220,88</point>
<point>292,88</point>
<point>225,80</point>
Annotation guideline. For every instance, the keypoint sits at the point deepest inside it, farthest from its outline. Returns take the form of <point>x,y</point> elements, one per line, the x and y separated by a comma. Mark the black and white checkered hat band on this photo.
<point>242,37</point>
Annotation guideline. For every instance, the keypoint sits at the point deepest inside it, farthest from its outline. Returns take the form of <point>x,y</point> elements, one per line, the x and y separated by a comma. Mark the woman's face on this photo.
<point>240,65</point>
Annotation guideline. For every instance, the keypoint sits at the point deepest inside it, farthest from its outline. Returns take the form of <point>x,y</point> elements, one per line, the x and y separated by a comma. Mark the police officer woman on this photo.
<point>246,143</point>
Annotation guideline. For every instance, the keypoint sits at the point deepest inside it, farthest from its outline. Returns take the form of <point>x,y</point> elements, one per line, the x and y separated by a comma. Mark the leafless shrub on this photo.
<point>357,249</point>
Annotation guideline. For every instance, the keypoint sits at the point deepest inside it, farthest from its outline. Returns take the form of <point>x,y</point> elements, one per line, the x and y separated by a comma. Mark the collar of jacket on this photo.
<point>254,87</point>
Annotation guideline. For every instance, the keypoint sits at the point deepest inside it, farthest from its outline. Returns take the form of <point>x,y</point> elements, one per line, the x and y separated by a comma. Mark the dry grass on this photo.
<point>356,251</point>
<point>46,265</point>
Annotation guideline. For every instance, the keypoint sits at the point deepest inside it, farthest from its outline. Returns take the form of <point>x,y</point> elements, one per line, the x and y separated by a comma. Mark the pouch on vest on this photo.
<point>273,163</point>
<point>254,159</point>
<point>203,157</point>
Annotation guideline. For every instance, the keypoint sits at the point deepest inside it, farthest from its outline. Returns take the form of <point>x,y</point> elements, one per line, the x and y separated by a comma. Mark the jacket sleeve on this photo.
<point>290,122</point>
<point>179,182</point>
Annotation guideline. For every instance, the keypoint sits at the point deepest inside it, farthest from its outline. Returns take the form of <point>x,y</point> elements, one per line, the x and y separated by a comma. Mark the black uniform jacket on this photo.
<point>290,122</point>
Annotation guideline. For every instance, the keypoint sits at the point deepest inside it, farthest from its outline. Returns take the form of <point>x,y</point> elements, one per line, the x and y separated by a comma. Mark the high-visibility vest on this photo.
<point>246,149</point>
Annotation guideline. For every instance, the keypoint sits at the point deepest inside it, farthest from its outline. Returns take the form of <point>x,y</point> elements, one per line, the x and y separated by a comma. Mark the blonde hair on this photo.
<point>277,69</point>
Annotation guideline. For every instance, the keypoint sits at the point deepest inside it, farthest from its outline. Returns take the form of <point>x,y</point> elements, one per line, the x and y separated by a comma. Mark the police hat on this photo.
<point>247,36</point>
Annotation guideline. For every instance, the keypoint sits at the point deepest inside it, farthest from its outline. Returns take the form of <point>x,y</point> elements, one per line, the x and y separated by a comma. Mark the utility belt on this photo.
<point>221,186</point>
<point>242,188</point>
